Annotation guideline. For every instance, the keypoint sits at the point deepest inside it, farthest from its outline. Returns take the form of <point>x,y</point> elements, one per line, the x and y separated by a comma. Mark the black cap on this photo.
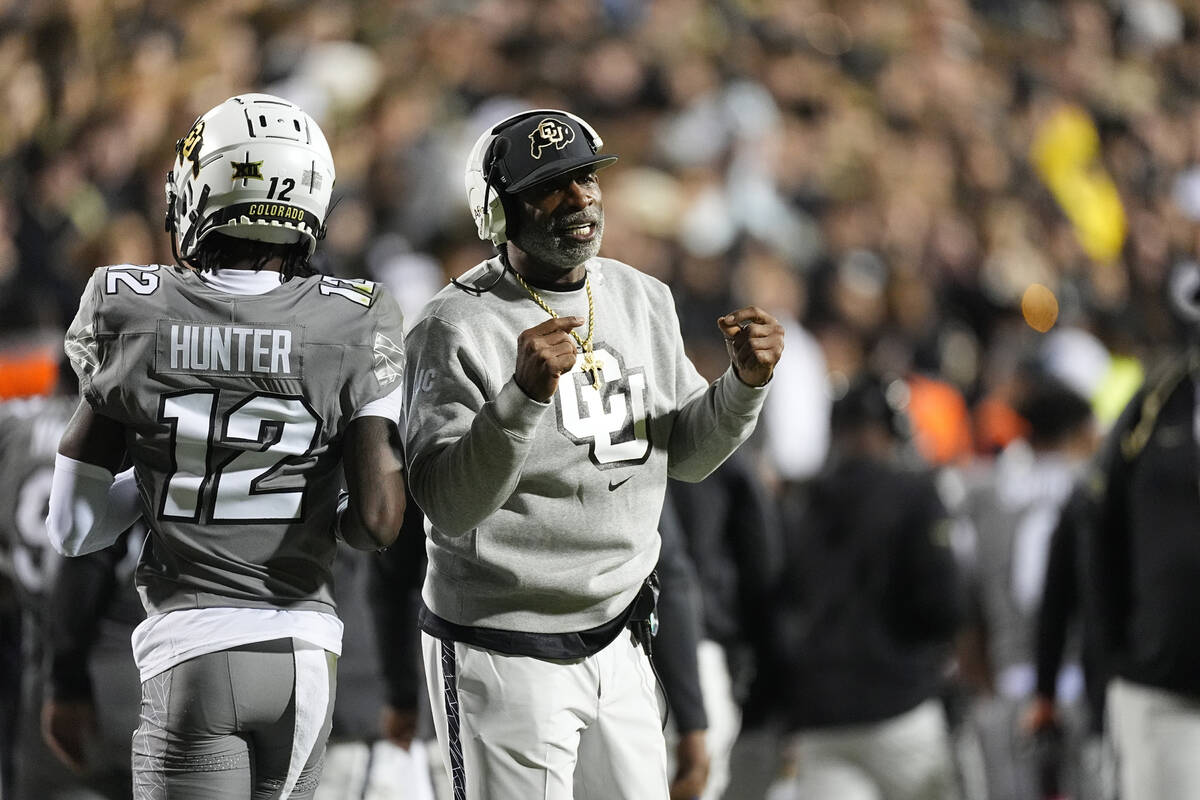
<point>539,147</point>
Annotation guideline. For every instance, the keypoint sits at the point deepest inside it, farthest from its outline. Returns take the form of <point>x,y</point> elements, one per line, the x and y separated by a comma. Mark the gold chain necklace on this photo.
<point>590,362</point>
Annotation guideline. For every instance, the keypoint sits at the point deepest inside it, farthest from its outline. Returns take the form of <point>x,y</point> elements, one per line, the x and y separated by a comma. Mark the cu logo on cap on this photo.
<point>550,133</point>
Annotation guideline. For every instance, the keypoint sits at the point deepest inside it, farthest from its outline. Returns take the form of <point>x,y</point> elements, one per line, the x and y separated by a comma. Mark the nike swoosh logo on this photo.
<point>614,485</point>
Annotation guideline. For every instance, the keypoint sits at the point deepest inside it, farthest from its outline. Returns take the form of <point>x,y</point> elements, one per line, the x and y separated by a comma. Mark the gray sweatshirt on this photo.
<point>543,517</point>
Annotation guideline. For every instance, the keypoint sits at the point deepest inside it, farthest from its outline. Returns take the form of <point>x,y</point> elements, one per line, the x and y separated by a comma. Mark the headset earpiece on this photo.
<point>494,218</point>
<point>485,180</point>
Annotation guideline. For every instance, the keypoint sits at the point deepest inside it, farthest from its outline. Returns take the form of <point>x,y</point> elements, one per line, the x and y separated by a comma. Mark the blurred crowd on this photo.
<point>890,176</point>
<point>889,179</point>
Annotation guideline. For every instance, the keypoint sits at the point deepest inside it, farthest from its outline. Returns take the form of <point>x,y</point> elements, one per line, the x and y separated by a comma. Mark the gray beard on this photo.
<point>543,245</point>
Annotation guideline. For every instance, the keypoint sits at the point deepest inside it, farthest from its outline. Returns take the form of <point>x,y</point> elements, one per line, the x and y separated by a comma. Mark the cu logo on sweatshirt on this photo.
<point>611,420</point>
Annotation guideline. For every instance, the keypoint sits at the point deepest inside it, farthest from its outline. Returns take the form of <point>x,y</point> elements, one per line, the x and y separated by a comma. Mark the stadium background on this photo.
<point>892,175</point>
<point>888,178</point>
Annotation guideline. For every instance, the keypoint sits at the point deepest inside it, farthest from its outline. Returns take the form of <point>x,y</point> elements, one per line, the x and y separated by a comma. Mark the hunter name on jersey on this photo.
<point>228,350</point>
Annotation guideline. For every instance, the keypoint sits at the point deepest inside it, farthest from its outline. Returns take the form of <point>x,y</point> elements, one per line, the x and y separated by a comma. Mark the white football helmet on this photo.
<point>255,167</point>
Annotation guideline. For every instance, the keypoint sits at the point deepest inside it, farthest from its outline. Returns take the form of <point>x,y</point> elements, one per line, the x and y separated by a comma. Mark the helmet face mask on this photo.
<point>521,151</point>
<point>255,167</point>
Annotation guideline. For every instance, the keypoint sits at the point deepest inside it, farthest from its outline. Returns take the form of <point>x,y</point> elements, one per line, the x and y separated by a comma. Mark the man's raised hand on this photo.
<point>754,340</point>
<point>545,352</point>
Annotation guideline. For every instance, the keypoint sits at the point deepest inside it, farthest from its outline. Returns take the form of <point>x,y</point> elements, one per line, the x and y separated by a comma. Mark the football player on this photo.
<point>240,385</point>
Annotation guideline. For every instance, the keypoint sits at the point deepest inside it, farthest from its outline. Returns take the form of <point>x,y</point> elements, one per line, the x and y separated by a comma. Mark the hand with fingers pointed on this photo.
<point>544,353</point>
<point>754,340</point>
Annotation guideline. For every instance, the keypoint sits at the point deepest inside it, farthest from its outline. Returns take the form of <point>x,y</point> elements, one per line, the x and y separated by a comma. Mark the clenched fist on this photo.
<point>545,352</point>
<point>754,340</point>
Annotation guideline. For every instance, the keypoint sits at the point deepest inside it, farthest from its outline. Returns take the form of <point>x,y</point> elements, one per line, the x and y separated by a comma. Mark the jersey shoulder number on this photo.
<point>355,290</point>
<point>140,280</point>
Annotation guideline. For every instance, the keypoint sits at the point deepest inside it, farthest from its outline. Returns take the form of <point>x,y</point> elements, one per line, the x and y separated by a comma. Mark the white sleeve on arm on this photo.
<point>89,508</point>
<point>390,406</point>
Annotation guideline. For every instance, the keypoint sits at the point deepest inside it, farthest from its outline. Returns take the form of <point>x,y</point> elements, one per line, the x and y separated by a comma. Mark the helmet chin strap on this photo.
<point>175,248</point>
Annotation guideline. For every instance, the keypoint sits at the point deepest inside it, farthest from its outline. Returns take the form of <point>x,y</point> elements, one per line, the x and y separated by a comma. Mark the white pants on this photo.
<point>1009,759</point>
<point>375,771</point>
<point>1156,735</point>
<point>519,728</point>
<point>903,758</point>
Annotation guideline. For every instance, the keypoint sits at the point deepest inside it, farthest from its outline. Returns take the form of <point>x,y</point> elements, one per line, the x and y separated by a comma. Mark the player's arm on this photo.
<point>374,511</point>
<point>675,652</point>
<point>1106,544</point>
<point>393,599</point>
<point>90,503</point>
<point>370,512</point>
<point>79,594</point>
<point>1060,592</point>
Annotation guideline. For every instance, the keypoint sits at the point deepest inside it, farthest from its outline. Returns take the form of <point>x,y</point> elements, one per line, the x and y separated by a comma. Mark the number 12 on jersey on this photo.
<point>223,463</point>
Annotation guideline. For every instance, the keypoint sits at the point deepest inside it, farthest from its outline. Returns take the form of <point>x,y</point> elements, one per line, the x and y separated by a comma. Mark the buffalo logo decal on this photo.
<point>550,133</point>
<point>189,147</point>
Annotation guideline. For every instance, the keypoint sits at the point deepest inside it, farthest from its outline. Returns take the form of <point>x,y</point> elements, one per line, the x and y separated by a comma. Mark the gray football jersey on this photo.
<point>1014,512</point>
<point>235,407</point>
<point>30,429</point>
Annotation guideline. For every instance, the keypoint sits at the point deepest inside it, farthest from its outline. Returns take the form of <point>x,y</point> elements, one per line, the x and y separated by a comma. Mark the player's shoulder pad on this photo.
<point>361,294</point>
<point>121,295</point>
<point>352,307</point>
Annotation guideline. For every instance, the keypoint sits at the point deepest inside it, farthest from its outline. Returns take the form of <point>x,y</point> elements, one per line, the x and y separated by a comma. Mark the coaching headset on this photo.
<point>520,151</point>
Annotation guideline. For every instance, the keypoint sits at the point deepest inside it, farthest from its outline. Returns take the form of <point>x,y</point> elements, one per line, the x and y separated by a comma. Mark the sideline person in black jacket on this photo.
<point>869,604</point>
<point>676,650</point>
<point>1144,581</point>
<point>732,532</point>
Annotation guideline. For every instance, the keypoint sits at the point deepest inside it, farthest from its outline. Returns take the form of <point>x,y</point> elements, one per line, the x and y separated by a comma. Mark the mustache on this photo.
<point>583,218</point>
